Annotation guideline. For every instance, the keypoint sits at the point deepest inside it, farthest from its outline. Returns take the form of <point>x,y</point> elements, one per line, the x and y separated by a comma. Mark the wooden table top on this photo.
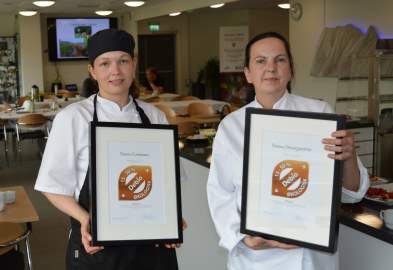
<point>22,210</point>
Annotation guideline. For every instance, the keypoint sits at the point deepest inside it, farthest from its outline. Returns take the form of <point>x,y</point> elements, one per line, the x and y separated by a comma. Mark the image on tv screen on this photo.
<point>72,35</point>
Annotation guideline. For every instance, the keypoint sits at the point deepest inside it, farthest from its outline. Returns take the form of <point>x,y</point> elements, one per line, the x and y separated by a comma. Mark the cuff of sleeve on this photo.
<point>58,191</point>
<point>349,196</point>
<point>235,247</point>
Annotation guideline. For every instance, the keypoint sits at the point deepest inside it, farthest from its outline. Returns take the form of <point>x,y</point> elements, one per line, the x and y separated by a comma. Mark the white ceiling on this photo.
<point>89,6</point>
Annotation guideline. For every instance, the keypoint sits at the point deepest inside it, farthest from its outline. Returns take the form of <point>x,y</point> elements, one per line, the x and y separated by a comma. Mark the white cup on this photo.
<point>387,216</point>
<point>2,201</point>
<point>9,196</point>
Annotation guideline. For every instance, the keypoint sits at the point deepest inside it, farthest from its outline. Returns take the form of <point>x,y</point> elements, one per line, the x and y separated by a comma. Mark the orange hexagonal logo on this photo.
<point>290,178</point>
<point>135,183</point>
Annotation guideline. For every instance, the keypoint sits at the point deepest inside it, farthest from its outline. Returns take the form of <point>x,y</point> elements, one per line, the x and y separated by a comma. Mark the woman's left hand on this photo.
<point>342,145</point>
<point>177,245</point>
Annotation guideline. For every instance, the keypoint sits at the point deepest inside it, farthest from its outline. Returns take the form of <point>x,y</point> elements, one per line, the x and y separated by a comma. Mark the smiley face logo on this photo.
<point>290,178</point>
<point>135,183</point>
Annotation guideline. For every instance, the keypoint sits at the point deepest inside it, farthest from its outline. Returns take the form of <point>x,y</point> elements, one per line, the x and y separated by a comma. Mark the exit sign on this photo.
<point>154,27</point>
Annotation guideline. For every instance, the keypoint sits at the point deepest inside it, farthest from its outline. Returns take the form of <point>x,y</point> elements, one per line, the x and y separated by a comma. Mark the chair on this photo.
<point>187,128</point>
<point>5,107</point>
<point>11,235</point>
<point>66,94</point>
<point>3,135</point>
<point>31,126</point>
<point>200,109</point>
<point>152,99</point>
<point>169,112</point>
<point>180,98</point>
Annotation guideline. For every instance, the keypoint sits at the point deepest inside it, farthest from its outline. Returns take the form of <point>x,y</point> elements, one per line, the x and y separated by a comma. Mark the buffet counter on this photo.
<point>364,242</point>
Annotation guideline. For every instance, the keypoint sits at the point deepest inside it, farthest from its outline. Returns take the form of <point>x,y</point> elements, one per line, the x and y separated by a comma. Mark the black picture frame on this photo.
<point>275,202</point>
<point>119,213</point>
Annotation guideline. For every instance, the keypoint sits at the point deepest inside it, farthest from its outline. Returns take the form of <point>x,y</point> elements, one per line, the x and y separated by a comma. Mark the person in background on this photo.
<point>64,171</point>
<point>269,68</point>
<point>89,87</point>
<point>153,82</point>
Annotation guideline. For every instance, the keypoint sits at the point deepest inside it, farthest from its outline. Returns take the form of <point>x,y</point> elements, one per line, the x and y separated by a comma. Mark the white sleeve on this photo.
<point>58,171</point>
<point>349,196</point>
<point>221,195</point>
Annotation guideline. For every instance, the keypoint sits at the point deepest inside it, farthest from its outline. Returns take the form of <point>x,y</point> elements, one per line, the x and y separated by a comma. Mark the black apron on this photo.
<point>141,257</point>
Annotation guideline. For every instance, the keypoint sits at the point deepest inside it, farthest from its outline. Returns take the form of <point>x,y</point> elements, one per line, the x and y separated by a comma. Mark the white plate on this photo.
<point>379,181</point>
<point>387,187</point>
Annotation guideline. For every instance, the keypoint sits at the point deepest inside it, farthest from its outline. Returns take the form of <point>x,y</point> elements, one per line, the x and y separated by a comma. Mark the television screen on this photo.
<point>67,37</point>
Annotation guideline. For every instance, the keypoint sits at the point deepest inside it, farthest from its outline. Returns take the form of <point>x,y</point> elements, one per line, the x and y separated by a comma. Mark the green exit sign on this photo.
<point>154,27</point>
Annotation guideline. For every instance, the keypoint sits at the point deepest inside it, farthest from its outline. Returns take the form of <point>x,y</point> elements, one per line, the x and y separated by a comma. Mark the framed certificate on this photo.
<point>291,189</point>
<point>134,184</point>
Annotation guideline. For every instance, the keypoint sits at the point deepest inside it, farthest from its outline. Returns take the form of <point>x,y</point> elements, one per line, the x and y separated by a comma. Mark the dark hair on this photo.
<point>270,35</point>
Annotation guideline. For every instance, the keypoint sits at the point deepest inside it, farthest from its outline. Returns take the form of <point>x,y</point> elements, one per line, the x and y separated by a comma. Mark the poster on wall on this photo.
<point>233,40</point>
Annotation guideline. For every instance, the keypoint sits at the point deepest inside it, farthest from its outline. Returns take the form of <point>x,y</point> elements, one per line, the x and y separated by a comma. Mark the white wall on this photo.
<point>317,14</point>
<point>7,25</point>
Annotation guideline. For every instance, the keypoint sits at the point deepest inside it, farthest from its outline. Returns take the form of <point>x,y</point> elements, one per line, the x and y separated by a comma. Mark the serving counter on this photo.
<point>364,242</point>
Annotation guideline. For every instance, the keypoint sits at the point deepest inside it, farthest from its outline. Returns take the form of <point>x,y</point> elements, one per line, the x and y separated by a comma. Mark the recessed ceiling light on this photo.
<point>217,5</point>
<point>174,14</point>
<point>103,12</point>
<point>44,3</point>
<point>284,5</point>
<point>27,12</point>
<point>134,3</point>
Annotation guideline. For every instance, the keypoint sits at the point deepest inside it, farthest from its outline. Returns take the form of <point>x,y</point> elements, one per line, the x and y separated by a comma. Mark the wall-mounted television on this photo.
<point>67,37</point>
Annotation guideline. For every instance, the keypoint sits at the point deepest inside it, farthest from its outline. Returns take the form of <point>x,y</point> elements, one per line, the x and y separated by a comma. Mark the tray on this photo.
<point>388,187</point>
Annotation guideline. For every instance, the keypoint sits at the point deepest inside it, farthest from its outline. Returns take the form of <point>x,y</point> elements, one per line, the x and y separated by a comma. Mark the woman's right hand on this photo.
<point>86,237</point>
<point>256,243</point>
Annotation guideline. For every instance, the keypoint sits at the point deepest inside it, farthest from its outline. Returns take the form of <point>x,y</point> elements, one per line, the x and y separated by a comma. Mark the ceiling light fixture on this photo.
<point>217,5</point>
<point>174,14</point>
<point>295,9</point>
<point>27,12</point>
<point>103,12</point>
<point>134,3</point>
<point>44,3</point>
<point>284,5</point>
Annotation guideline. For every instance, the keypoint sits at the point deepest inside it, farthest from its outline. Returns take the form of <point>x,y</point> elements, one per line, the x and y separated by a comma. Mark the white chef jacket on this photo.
<point>224,189</point>
<point>66,158</point>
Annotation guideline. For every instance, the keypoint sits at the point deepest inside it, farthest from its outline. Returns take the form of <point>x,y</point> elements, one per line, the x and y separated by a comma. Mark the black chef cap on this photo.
<point>109,40</point>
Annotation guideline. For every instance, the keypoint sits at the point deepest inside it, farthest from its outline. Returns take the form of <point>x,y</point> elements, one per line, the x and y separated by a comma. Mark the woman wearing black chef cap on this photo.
<point>64,168</point>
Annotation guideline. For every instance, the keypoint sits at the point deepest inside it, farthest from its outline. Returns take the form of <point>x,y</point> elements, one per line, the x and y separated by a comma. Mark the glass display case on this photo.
<point>365,93</point>
<point>380,106</point>
<point>9,83</point>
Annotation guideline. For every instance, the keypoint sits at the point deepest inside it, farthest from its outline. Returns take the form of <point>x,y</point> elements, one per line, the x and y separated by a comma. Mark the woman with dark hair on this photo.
<point>269,68</point>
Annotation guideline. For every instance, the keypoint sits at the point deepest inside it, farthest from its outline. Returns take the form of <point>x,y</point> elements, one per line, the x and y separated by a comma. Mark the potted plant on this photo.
<point>211,76</point>
<point>198,88</point>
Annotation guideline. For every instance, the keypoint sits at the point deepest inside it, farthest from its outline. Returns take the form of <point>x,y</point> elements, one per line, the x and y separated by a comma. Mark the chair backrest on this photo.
<point>169,112</point>
<point>5,107</point>
<point>152,99</point>
<point>200,109</point>
<point>66,93</point>
<point>187,128</point>
<point>180,98</point>
<point>8,233</point>
<point>32,120</point>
